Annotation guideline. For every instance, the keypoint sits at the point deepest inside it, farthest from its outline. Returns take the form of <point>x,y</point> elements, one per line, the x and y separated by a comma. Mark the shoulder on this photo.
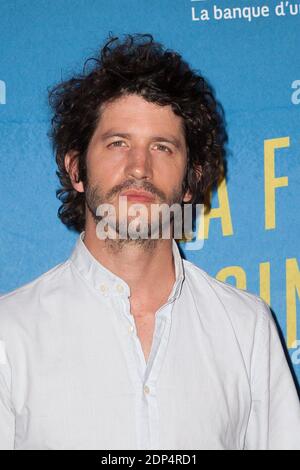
<point>242,307</point>
<point>240,317</point>
<point>225,291</point>
<point>24,301</point>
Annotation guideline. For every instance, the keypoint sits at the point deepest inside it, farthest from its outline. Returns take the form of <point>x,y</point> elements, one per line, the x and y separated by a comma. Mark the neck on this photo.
<point>148,268</point>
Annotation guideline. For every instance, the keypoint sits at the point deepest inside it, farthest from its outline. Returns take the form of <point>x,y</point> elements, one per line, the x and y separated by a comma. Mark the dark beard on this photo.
<point>94,198</point>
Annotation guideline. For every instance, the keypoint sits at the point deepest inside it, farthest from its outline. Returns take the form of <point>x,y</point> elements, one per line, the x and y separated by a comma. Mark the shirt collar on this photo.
<point>108,283</point>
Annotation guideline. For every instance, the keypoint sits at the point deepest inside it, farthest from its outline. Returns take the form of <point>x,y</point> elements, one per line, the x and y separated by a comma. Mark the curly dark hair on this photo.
<point>136,65</point>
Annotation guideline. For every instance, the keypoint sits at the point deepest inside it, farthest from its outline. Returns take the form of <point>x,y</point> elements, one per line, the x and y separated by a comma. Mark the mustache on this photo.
<point>145,186</point>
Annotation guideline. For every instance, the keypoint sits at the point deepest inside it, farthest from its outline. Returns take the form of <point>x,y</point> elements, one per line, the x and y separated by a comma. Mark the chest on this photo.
<point>144,314</point>
<point>145,326</point>
<point>82,393</point>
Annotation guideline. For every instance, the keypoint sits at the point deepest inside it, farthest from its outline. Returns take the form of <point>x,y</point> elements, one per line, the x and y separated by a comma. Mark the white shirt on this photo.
<point>73,374</point>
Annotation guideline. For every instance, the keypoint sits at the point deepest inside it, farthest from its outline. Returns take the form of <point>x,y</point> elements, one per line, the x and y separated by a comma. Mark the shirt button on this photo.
<point>120,288</point>
<point>103,288</point>
<point>146,390</point>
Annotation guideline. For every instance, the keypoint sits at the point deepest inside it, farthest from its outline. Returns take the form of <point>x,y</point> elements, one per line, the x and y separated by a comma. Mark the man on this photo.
<point>126,345</point>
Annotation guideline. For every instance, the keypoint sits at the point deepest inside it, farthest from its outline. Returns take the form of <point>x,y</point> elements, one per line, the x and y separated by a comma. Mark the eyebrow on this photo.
<point>170,139</point>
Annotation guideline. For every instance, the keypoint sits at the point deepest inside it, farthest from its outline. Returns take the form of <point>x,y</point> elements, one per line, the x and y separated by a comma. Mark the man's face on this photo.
<point>137,145</point>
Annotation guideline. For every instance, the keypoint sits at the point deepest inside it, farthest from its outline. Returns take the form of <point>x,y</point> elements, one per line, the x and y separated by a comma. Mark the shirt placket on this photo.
<point>145,375</point>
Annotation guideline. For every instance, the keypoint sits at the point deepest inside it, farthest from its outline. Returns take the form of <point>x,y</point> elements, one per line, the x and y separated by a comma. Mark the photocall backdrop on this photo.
<point>249,52</point>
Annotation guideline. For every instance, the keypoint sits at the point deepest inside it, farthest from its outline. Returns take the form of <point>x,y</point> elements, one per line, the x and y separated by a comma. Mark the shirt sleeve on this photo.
<point>7,416</point>
<point>274,422</point>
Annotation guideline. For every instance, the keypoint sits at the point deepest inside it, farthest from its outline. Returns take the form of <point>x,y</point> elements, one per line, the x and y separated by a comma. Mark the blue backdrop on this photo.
<point>249,52</point>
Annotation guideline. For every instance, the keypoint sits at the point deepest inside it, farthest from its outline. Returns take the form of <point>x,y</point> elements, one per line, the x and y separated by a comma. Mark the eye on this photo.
<point>117,143</point>
<point>163,148</point>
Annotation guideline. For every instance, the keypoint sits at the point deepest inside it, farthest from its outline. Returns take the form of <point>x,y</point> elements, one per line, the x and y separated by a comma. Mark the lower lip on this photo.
<point>138,198</point>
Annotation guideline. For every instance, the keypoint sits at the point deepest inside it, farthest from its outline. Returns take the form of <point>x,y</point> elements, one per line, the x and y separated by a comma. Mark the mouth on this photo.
<point>139,196</point>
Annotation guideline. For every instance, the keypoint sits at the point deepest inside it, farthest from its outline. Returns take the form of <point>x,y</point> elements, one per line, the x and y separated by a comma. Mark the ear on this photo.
<point>71,165</point>
<point>199,172</point>
<point>188,195</point>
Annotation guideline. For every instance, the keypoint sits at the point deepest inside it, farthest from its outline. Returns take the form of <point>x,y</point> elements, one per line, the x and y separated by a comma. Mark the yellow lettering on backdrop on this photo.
<point>272,182</point>
<point>265,282</point>
<point>222,212</point>
<point>233,271</point>
<point>292,289</point>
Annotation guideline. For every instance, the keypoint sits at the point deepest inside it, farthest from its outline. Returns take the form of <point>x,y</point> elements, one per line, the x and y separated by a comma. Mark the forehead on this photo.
<point>134,111</point>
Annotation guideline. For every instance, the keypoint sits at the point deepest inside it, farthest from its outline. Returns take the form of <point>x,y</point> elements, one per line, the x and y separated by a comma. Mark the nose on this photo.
<point>139,163</point>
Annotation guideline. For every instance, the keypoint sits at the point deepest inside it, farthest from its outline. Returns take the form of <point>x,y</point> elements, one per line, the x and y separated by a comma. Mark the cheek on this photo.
<point>171,173</point>
<point>104,171</point>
